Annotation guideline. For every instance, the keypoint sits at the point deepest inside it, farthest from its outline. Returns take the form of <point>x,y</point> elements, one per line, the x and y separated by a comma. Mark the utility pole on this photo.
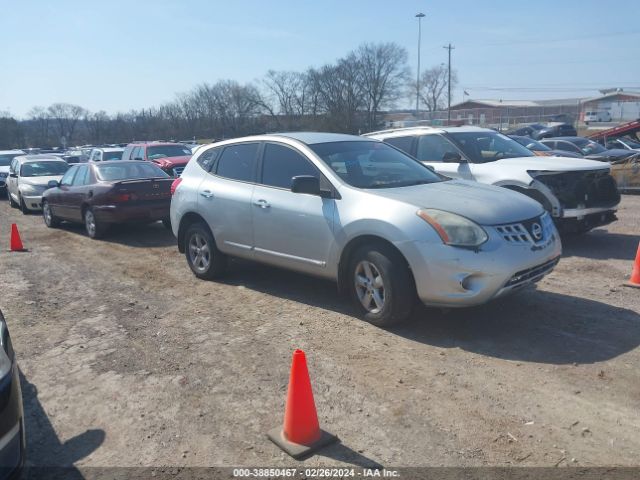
<point>449,47</point>
<point>419,16</point>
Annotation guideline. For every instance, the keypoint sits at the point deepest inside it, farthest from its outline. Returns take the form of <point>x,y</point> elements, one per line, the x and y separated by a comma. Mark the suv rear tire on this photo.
<point>203,257</point>
<point>381,285</point>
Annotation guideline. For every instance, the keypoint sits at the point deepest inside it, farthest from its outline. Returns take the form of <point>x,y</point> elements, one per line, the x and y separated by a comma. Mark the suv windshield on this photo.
<point>162,151</point>
<point>588,147</point>
<point>128,171</point>
<point>488,146</point>
<point>374,165</point>
<point>43,169</point>
<point>531,144</point>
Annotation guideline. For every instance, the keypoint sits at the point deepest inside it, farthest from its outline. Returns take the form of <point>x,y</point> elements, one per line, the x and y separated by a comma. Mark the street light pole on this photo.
<point>449,47</point>
<point>419,16</point>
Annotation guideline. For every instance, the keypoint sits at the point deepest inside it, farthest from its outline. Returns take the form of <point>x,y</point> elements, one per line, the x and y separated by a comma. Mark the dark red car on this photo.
<point>170,157</point>
<point>100,194</point>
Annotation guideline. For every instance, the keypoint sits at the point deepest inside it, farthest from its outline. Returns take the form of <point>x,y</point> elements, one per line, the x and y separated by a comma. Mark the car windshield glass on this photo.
<point>128,171</point>
<point>588,147</point>
<point>5,159</point>
<point>630,143</point>
<point>117,155</point>
<point>43,169</point>
<point>374,165</point>
<point>484,146</point>
<point>532,144</point>
<point>162,151</point>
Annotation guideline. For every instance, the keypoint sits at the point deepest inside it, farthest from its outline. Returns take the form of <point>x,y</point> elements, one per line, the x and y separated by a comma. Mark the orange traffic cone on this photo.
<point>634,281</point>
<point>16,242</point>
<point>301,434</point>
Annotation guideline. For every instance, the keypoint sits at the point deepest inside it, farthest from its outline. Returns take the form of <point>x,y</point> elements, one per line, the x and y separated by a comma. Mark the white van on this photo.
<point>603,116</point>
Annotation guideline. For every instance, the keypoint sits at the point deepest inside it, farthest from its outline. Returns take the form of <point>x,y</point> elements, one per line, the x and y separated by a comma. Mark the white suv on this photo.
<point>579,194</point>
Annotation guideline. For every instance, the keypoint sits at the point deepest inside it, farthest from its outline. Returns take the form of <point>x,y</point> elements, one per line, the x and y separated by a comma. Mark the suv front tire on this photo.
<point>381,285</point>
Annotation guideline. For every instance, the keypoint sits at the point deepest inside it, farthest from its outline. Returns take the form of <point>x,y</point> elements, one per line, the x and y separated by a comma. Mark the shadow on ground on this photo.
<point>532,326</point>
<point>143,235</point>
<point>46,453</point>
<point>601,245</point>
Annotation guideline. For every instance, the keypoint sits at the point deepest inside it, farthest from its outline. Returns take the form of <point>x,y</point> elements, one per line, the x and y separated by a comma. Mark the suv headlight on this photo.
<point>454,230</point>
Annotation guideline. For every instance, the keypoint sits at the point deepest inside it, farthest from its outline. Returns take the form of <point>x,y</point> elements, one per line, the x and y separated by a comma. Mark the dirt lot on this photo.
<point>128,360</point>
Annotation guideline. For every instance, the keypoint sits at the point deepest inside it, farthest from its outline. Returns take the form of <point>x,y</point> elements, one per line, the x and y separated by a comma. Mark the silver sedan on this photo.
<point>362,213</point>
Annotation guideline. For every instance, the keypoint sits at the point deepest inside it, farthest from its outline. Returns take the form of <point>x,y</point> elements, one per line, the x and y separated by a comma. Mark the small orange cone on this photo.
<point>16,242</point>
<point>634,281</point>
<point>301,434</point>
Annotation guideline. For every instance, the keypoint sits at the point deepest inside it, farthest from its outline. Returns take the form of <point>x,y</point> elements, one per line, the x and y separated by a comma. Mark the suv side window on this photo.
<point>12,166</point>
<point>135,153</point>
<point>67,178</point>
<point>567,147</point>
<point>238,162</point>
<point>208,158</point>
<point>280,164</point>
<point>403,143</point>
<point>433,148</point>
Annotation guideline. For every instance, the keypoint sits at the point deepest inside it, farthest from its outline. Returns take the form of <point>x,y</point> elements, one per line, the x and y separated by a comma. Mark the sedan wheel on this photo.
<point>92,226</point>
<point>50,219</point>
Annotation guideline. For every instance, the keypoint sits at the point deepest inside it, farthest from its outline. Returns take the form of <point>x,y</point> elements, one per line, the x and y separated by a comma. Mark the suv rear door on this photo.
<point>224,198</point>
<point>291,230</point>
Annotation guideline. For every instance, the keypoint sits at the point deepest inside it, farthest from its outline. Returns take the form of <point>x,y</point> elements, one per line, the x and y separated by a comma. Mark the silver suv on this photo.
<point>362,213</point>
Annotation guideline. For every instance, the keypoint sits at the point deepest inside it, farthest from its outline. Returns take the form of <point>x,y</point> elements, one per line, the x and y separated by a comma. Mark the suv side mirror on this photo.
<point>452,157</point>
<point>53,184</point>
<point>13,175</point>
<point>306,184</point>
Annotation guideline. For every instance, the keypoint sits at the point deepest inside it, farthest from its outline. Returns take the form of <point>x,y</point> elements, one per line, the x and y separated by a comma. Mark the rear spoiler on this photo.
<point>143,180</point>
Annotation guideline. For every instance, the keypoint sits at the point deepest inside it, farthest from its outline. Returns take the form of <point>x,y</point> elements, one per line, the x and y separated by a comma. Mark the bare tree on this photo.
<point>65,117</point>
<point>286,96</point>
<point>97,126</point>
<point>384,74</point>
<point>433,86</point>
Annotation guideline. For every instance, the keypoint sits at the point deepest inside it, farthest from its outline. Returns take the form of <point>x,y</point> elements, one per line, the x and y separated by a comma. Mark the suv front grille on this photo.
<point>583,189</point>
<point>533,231</point>
<point>177,171</point>
<point>533,274</point>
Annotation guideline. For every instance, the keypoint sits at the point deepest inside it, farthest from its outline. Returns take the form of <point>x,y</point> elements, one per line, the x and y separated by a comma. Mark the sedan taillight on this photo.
<point>175,184</point>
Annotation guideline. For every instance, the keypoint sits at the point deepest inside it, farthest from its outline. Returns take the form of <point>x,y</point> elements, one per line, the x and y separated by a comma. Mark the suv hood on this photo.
<point>558,164</point>
<point>39,181</point>
<point>484,204</point>
<point>170,162</point>
<point>4,169</point>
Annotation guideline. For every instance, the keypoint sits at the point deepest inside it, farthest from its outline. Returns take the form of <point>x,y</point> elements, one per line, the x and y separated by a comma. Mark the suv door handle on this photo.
<point>261,204</point>
<point>206,194</point>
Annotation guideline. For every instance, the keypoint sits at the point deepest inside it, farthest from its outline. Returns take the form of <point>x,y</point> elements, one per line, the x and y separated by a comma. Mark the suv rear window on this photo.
<point>238,162</point>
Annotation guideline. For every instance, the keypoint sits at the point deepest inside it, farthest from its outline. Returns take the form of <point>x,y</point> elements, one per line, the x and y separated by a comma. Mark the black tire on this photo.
<point>93,227</point>
<point>203,257</point>
<point>11,200</point>
<point>398,289</point>
<point>167,223</point>
<point>23,206</point>
<point>50,220</point>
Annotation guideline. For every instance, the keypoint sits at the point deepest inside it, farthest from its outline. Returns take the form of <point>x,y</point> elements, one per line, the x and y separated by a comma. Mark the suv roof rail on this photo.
<point>392,130</point>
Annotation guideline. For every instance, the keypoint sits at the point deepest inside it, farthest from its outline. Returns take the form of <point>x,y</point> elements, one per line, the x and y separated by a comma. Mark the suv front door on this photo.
<point>291,230</point>
<point>224,198</point>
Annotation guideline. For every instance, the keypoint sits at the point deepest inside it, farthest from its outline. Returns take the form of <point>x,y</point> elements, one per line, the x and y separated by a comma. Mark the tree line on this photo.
<point>345,96</point>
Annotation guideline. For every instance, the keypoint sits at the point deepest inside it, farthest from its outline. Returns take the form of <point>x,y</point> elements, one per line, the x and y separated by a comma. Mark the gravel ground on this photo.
<point>129,360</point>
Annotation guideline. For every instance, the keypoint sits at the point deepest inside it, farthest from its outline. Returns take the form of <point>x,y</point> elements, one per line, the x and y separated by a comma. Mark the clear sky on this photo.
<point>116,55</point>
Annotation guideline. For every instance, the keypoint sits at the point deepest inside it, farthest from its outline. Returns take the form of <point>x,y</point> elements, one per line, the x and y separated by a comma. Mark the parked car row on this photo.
<point>453,216</point>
